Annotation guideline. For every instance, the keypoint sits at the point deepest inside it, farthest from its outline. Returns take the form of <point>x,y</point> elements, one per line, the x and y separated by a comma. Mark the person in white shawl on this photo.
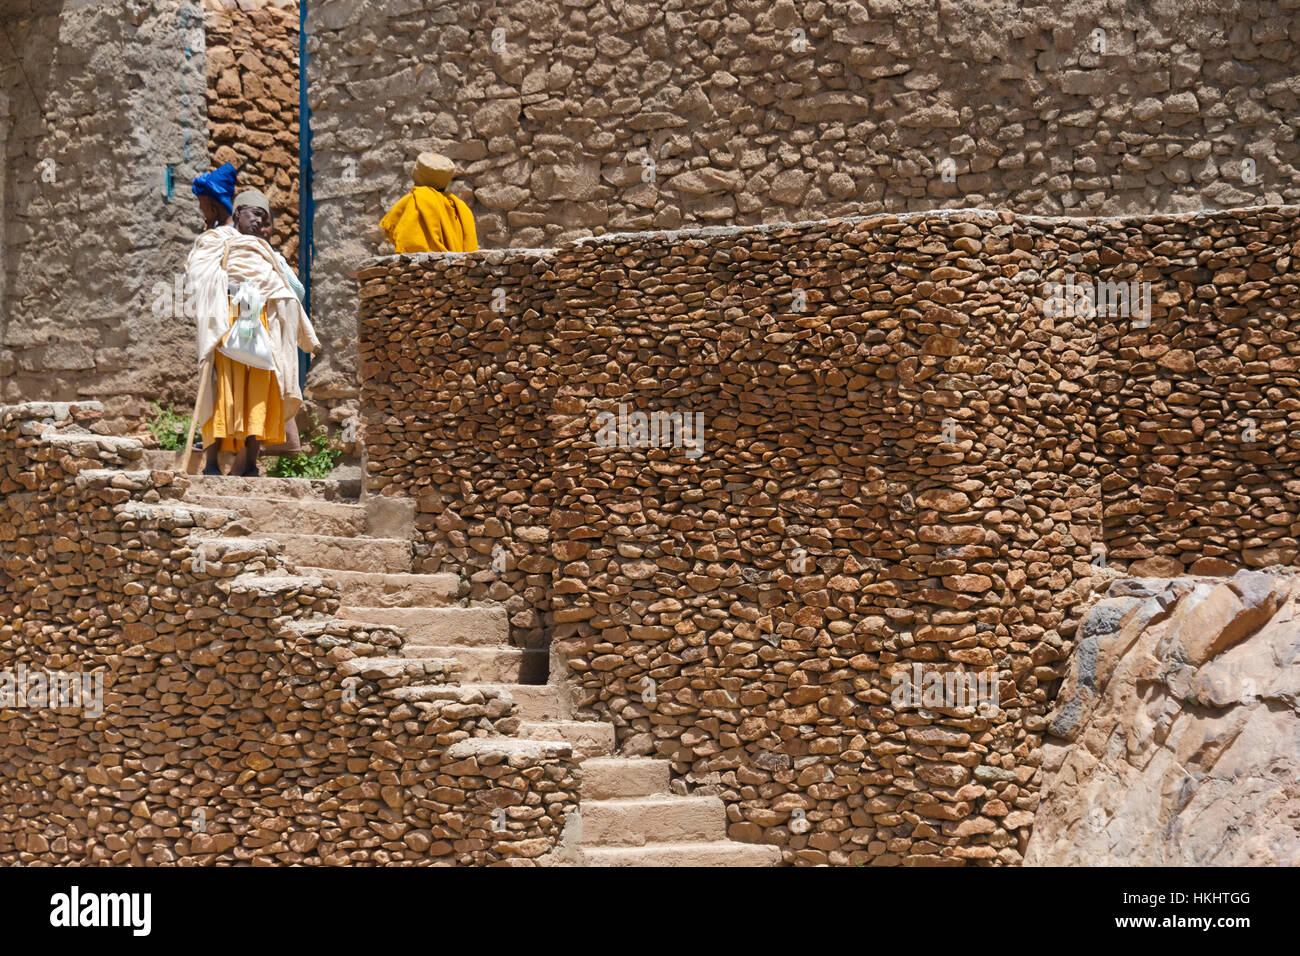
<point>266,229</point>
<point>241,406</point>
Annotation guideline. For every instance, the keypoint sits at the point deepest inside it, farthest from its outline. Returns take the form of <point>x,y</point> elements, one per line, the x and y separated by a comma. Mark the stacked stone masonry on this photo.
<point>242,721</point>
<point>252,64</point>
<point>593,116</point>
<point>907,460</point>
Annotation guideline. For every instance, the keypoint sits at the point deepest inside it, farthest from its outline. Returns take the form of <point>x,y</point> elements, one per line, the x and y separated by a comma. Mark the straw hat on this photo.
<point>433,169</point>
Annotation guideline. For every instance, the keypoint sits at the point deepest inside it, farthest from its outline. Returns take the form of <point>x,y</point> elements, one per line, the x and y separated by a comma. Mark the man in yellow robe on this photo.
<point>429,219</point>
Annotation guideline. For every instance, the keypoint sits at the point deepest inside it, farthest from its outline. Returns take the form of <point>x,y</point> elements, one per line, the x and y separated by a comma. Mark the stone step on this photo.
<point>274,583</point>
<point>490,665</point>
<point>383,555</point>
<point>373,589</point>
<point>439,669</point>
<point>716,853</point>
<point>331,629</point>
<point>659,818</point>
<point>290,515</point>
<point>611,777</point>
<point>495,704</point>
<point>536,702</point>
<point>321,489</point>
<point>158,459</point>
<point>590,738</point>
<point>488,750</point>
<point>482,625</point>
<point>177,514</point>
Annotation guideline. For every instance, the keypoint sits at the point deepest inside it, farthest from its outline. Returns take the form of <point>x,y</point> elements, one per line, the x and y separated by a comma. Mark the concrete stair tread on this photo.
<point>613,777</point>
<point>118,443</point>
<point>709,853</point>
<point>659,799</point>
<point>333,538</point>
<point>128,475</point>
<point>385,667</point>
<point>389,589</point>
<point>291,515</point>
<point>468,650</point>
<point>324,489</point>
<point>381,555</point>
<point>653,818</point>
<point>532,701</point>
<point>479,625</point>
<point>535,702</point>
<point>591,738</point>
<point>495,665</point>
<point>220,544</point>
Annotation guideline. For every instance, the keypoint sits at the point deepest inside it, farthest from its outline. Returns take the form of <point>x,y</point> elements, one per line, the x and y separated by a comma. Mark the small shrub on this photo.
<point>168,426</point>
<point>317,463</point>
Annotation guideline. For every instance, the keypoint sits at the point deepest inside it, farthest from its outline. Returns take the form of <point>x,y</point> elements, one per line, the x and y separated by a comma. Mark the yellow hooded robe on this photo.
<point>426,220</point>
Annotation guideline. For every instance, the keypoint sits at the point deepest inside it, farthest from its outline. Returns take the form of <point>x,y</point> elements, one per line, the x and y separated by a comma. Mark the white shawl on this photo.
<point>251,260</point>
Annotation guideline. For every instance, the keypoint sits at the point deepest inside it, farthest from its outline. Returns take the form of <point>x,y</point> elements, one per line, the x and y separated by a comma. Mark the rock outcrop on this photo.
<point>1176,737</point>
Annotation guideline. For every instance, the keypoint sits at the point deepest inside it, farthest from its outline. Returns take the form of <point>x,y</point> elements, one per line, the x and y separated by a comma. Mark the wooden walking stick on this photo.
<point>182,460</point>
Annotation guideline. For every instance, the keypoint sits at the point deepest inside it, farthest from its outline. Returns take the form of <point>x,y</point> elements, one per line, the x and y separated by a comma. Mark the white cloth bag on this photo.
<point>247,341</point>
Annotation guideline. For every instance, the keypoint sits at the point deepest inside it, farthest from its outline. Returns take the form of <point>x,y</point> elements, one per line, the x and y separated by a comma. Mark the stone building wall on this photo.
<point>231,728</point>
<point>252,76</point>
<point>101,100</point>
<point>908,460</point>
<point>759,112</point>
<point>1198,418</point>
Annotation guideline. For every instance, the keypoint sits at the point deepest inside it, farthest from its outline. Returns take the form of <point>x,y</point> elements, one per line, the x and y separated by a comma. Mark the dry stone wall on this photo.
<point>1198,417</point>
<point>252,70</point>
<point>913,456</point>
<point>101,99</point>
<point>238,721</point>
<point>595,116</point>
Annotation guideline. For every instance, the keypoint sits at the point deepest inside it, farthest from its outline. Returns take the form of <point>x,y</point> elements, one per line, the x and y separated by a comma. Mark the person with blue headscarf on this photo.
<point>242,406</point>
<point>216,192</point>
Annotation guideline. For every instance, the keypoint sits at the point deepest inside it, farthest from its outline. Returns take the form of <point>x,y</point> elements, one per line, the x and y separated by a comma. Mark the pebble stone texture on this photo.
<point>749,121</point>
<point>227,733</point>
<point>954,464</point>
<point>252,65</point>
<point>101,97</point>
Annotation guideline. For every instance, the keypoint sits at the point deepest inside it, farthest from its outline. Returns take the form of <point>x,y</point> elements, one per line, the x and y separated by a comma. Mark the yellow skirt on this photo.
<point>247,405</point>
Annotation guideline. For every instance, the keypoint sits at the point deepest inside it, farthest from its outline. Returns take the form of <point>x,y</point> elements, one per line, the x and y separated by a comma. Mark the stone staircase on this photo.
<point>447,649</point>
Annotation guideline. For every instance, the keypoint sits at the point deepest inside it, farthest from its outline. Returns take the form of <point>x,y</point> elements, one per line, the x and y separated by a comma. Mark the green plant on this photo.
<point>317,463</point>
<point>168,426</point>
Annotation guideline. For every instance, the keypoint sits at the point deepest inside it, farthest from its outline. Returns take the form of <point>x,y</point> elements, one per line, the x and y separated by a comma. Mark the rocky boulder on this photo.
<point>1176,736</point>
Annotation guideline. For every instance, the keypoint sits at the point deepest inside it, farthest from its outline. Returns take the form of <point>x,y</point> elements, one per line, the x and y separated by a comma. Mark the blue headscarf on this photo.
<point>219,184</point>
